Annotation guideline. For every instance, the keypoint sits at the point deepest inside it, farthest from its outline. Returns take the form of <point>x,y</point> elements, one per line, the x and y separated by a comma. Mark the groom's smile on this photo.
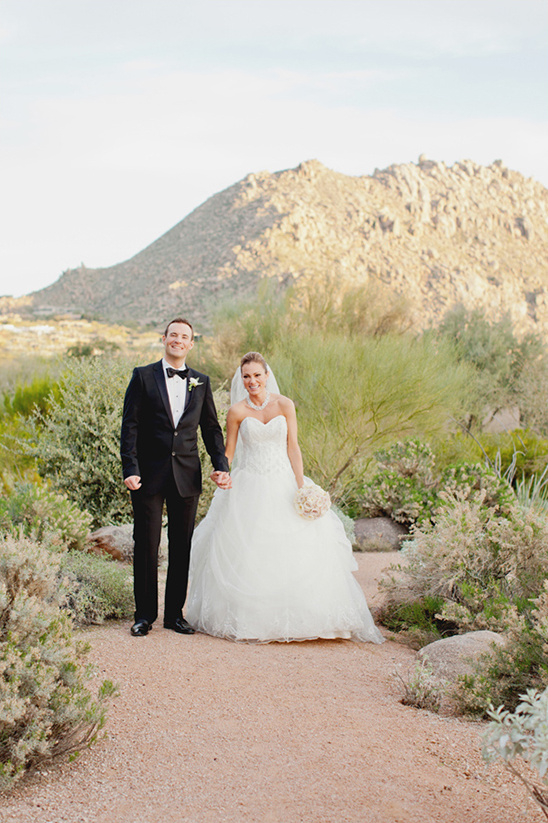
<point>178,341</point>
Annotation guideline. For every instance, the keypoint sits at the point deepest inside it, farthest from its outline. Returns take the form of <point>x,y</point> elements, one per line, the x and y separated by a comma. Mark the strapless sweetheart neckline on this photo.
<point>249,417</point>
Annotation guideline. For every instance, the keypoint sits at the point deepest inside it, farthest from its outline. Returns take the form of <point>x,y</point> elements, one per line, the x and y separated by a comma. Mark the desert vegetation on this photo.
<point>390,421</point>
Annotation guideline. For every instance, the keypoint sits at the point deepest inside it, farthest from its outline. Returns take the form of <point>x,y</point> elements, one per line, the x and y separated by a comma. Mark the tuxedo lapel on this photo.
<point>161,383</point>
<point>189,399</point>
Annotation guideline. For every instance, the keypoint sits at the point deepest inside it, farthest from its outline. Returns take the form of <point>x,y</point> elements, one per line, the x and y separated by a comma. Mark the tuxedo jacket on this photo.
<point>152,447</point>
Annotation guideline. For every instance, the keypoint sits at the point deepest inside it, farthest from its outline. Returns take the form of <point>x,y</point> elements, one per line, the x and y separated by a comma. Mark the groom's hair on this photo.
<point>180,320</point>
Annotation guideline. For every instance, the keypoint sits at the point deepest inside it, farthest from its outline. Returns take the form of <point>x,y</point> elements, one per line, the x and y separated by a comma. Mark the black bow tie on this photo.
<point>182,373</point>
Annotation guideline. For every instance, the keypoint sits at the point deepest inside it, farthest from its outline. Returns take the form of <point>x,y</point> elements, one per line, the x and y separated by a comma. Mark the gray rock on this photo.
<point>379,534</point>
<point>117,541</point>
<point>454,656</point>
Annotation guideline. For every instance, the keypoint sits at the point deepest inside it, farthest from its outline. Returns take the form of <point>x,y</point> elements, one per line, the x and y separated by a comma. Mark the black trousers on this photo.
<point>147,529</point>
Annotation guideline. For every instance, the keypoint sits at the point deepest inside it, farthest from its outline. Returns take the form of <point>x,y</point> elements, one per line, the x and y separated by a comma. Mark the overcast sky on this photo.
<point>119,117</point>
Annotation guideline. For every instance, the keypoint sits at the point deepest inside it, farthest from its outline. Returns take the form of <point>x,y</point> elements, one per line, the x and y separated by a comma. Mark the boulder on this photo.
<point>454,656</point>
<point>117,541</point>
<point>379,534</point>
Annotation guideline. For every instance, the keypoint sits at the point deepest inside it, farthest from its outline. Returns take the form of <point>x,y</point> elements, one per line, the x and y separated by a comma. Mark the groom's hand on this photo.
<point>222,479</point>
<point>133,482</point>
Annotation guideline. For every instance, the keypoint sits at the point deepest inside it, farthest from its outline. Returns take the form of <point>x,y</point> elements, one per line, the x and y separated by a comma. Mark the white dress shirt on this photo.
<point>176,390</point>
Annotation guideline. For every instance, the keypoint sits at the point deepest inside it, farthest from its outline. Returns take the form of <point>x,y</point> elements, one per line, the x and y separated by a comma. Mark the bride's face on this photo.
<point>254,377</point>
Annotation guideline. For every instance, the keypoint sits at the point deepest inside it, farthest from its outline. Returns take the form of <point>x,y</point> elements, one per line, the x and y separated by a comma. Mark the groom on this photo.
<point>165,403</point>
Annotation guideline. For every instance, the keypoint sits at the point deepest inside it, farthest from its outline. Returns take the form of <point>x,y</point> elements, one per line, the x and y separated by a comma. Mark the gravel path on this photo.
<point>208,731</point>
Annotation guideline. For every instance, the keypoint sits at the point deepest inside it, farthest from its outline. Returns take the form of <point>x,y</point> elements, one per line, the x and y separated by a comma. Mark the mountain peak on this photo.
<point>439,235</point>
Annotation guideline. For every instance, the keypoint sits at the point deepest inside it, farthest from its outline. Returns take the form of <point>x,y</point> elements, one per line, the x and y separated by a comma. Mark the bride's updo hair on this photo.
<point>253,357</point>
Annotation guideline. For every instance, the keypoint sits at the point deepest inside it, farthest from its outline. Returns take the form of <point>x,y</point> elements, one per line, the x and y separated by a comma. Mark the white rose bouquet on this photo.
<point>312,502</point>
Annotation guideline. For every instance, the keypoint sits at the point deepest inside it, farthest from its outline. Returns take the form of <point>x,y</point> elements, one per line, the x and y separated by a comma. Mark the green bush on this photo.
<point>474,481</point>
<point>95,588</point>
<point>15,459</point>
<point>407,487</point>
<point>480,562</point>
<point>417,622</point>
<point>77,442</point>
<point>44,516</point>
<point>354,396</point>
<point>404,486</point>
<point>502,675</point>
<point>494,349</point>
<point>24,399</point>
<point>47,708</point>
<point>521,451</point>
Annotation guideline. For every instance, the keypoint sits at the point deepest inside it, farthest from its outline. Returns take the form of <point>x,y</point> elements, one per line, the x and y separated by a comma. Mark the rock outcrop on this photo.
<point>455,656</point>
<point>437,235</point>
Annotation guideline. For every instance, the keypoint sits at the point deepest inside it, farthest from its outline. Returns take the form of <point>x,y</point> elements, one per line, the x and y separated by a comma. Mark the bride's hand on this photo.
<point>222,479</point>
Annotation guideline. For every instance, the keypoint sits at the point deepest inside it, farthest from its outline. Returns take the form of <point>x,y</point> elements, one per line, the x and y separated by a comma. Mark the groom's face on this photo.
<point>177,342</point>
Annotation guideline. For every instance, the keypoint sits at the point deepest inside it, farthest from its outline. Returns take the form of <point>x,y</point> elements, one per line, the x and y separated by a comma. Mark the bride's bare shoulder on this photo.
<point>286,404</point>
<point>237,411</point>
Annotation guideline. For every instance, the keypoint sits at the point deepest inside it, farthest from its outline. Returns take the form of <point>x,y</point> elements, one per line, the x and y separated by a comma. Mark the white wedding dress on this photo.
<point>260,572</point>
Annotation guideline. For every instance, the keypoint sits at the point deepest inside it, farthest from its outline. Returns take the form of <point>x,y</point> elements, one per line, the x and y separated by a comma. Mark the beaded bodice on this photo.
<point>263,446</point>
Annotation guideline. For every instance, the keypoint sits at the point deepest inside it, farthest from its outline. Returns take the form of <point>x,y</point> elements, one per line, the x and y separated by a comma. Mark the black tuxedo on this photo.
<point>166,459</point>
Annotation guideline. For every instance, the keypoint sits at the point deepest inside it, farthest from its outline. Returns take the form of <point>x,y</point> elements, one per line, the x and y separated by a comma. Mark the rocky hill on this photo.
<point>438,235</point>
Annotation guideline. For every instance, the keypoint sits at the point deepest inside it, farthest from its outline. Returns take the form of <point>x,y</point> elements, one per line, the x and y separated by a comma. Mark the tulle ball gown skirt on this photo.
<point>261,573</point>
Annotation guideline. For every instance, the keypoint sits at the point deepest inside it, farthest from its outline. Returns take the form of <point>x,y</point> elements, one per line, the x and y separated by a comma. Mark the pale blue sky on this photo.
<point>119,117</point>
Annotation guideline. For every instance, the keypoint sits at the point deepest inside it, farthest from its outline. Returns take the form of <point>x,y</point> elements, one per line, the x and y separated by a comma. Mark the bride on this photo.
<point>258,570</point>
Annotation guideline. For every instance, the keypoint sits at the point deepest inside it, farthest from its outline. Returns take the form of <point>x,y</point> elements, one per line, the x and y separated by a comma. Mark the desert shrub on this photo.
<point>404,486</point>
<point>94,348</point>
<point>484,565</point>
<point>474,557</point>
<point>520,736</point>
<point>353,396</point>
<point>47,708</point>
<point>17,404</point>
<point>43,515</point>
<point>521,451</point>
<point>478,568</point>
<point>407,487</point>
<point>503,674</point>
<point>25,398</point>
<point>417,622</point>
<point>532,492</point>
<point>15,459</point>
<point>77,442</point>
<point>474,481</point>
<point>421,688</point>
<point>494,349</point>
<point>533,395</point>
<point>95,588</point>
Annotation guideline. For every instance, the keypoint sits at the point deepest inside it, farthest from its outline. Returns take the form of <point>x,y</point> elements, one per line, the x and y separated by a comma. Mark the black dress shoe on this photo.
<point>141,628</point>
<point>180,625</point>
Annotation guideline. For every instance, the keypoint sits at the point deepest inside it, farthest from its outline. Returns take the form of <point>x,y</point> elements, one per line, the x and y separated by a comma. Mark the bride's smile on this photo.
<point>255,377</point>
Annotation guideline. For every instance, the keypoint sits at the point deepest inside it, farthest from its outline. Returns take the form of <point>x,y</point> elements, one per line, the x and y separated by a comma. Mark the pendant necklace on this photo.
<point>262,406</point>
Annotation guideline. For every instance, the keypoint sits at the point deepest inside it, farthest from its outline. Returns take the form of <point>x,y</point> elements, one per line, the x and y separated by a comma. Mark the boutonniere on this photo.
<point>193,382</point>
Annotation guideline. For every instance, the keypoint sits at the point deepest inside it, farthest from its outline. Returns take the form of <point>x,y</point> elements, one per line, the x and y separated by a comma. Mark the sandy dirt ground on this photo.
<point>208,731</point>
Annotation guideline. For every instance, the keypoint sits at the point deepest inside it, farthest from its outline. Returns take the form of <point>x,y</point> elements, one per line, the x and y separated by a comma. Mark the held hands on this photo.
<point>222,479</point>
